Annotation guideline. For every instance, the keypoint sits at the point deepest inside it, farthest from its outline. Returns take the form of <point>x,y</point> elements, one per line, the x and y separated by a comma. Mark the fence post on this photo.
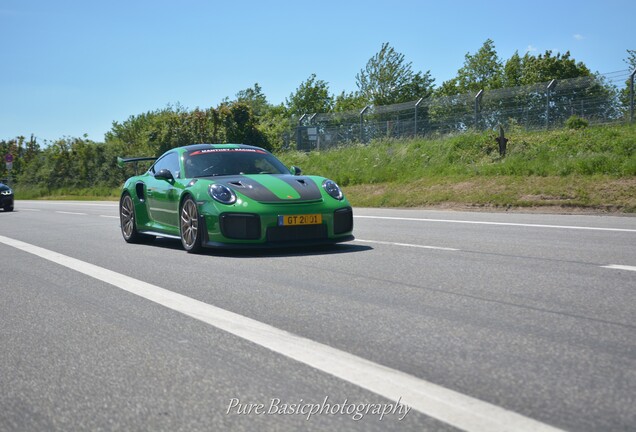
<point>311,121</point>
<point>361,123</point>
<point>550,87</point>
<point>477,105</point>
<point>417,104</point>
<point>299,136</point>
<point>631,96</point>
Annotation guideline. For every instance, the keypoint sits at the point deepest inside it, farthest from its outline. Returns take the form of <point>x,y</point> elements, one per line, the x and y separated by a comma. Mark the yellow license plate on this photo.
<point>306,219</point>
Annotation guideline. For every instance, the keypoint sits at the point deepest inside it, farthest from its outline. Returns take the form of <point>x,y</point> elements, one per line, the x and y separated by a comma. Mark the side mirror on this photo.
<point>164,174</point>
<point>295,170</point>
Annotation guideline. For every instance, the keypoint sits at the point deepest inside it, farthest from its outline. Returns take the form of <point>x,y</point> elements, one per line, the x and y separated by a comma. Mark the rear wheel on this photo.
<point>191,234</point>
<point>127,220</point>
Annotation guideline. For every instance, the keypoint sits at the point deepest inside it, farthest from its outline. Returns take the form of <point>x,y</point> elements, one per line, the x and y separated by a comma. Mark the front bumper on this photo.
<point>233,229</point>
<point>6,201</point>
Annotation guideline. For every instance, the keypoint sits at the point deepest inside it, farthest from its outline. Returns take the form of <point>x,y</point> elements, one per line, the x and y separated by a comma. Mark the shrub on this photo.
<point>576,122</point>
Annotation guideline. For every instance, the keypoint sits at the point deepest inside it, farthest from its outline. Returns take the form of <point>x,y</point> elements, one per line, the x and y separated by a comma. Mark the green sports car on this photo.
<point>231,195</point>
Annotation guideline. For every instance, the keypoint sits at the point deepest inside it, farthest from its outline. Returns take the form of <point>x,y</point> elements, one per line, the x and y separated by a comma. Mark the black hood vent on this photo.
<point>239,184</point>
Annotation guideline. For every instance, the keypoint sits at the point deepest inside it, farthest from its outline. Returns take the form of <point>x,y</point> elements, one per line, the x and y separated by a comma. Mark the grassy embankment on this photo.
<point>590,169</point>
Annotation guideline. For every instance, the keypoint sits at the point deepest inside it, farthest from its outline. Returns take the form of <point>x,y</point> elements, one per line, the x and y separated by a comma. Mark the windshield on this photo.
<point>231,161</point>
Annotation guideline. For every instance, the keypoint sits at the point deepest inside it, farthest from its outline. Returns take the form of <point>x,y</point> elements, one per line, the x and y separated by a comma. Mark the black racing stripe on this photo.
<point>306,188</point>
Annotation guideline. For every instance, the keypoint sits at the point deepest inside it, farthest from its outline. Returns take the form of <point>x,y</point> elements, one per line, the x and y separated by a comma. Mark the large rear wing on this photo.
<point>121,162</point>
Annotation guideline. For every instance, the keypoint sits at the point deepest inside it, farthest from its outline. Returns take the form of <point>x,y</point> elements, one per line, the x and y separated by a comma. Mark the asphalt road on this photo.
<point>501,318</point>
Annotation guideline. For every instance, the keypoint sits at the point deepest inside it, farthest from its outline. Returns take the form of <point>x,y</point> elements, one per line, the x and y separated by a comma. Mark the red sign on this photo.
<point>8,158</point>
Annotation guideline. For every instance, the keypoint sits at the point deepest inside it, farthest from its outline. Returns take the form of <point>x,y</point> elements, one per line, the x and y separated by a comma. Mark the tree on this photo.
<point>546,67</point>
<point>275,125</point>
<point>240,125</point>
<point>255,98</point>
<point>312,96</point>
<point>420,86</point>
<point>481,71</point>
<point>267,124</point>
<point>512,71</point>
<point>631,60</point>
<point>387,79</point>
<point>31,150</point>
<point>352,101</point>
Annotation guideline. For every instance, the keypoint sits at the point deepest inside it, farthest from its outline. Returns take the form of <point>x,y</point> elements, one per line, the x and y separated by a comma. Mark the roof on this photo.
<point>194,147</point>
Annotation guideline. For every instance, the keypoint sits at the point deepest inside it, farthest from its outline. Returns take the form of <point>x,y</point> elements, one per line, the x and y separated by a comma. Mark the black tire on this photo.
<point>128,221</point>
<point>8,208</point>
<point>190,226</point>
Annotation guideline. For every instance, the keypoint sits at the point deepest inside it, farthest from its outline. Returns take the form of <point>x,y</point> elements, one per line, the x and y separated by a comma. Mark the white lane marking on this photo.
<point>433,400</point>
<point>63,212</point>
<point>498,223</point>
<point>72,213</point>
<point>407,245</point>
<point>620,267</point>
<point>74,203</point>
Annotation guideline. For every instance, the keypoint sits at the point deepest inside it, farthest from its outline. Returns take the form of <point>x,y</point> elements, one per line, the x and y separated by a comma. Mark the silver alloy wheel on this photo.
<point>127,217</point>
<point>189,224</point>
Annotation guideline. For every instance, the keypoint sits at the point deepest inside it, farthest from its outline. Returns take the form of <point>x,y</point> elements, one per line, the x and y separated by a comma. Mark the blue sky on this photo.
<point>70,68</point>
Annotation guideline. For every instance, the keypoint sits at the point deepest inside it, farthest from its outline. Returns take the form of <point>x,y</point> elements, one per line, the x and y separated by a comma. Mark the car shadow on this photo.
<point>274,252</point>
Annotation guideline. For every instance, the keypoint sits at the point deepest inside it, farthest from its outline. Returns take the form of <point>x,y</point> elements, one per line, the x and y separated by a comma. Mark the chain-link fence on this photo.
<point>597,99</point>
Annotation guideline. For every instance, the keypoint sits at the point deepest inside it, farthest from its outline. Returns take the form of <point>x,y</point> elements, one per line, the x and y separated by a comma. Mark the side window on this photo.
<point>169,161</point>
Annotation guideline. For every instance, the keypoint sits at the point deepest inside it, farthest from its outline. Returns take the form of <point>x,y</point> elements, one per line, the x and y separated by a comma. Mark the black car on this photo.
<point>6,197</point>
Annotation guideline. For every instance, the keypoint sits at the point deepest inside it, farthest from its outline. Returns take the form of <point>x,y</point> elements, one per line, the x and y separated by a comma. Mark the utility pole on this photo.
<point>417,104</point>
<point>631,96</point>
<point>477,104</point>
<point>299,135</point>
<point>362,123</point>
<point>551,87</point>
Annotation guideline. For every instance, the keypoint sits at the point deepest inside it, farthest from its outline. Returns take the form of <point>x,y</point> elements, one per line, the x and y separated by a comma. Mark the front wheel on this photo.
<point>191,235</point>
<point>8,208</point>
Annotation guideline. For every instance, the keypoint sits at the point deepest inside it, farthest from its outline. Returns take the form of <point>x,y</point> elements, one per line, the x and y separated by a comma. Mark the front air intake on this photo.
<point>342,221</point>
<point>240,226</point>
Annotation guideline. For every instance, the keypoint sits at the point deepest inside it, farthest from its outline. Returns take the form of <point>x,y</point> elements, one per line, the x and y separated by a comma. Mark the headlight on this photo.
<point>6,192</point>
<point>222,194</point>
<point>332,189</point>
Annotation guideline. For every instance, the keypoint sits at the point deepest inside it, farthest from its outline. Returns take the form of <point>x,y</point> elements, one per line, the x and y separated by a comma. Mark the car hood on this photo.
<point>273,188</point>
